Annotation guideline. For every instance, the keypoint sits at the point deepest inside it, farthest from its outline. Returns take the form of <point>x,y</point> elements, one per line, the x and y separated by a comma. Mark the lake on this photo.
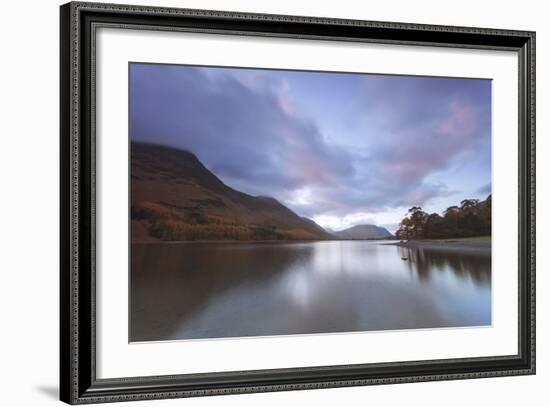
<point>212,290</point>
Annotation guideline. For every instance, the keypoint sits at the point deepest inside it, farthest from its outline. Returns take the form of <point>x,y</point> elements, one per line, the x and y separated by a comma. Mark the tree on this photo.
<point>417,218</point>
<point>434,227</point>
<point>405,231</point>
<point>471,218</point>
<point>468,204</point>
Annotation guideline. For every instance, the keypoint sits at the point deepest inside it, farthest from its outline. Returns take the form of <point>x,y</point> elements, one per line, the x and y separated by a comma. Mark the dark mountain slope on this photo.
<point>175,197</point>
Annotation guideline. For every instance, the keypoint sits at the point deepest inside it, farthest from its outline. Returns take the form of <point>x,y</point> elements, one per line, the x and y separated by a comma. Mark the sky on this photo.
<point>340,148</point>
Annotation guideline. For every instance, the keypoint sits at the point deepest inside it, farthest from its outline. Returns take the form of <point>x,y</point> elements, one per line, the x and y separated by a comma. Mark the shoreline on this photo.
<point>256,241</point>
<point>474,246</point>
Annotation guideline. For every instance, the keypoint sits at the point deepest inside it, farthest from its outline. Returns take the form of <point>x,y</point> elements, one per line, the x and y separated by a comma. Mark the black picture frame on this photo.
<point>78,382</point>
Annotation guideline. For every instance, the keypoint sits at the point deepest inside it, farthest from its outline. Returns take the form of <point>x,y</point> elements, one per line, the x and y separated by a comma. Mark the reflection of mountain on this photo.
<point>364,232</point>
<point>171,283</point>
<point>175,197</point>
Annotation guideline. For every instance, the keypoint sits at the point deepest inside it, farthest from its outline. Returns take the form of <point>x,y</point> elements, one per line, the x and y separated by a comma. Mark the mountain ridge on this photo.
<point>366,231</point>
<point>175,197</point>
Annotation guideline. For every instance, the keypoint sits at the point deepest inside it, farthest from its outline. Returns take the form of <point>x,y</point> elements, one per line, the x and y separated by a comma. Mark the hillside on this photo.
<point>364,232</point>
<point>175,197</point>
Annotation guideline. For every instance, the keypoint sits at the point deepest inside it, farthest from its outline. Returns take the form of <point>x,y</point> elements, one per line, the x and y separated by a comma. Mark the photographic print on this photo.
<point>282,202</point>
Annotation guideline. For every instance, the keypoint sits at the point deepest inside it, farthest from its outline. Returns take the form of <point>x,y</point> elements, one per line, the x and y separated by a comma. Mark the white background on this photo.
<point>29,203</point>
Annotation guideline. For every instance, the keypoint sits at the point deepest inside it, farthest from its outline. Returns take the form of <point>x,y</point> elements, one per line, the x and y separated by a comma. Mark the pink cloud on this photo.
<point>461,123</point>
<point>418,151</point>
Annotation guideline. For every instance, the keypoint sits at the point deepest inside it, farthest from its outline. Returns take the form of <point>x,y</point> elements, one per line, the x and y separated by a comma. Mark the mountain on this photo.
<point>364,232</point>
<point>175,197</point>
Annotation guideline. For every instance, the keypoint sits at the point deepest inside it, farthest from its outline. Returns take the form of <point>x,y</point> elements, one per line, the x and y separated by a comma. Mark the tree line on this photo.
<point>181,224</point>
<point>174,230</point>
<point>472,218</point>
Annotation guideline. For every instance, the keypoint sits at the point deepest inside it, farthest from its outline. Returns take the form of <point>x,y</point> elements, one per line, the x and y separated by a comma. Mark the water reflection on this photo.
<point>425,262</point>
<point>195,290</point>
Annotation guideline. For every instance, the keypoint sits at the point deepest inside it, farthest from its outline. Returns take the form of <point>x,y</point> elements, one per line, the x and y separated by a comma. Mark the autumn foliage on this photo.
<point>172,224</point>
<point>471,218</point>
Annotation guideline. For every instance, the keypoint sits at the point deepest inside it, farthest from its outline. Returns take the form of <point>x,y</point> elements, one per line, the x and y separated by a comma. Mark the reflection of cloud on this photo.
<point>248,127</point>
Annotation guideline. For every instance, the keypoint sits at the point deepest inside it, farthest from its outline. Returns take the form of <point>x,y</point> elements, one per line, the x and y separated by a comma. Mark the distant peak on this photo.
<point>365,231</point>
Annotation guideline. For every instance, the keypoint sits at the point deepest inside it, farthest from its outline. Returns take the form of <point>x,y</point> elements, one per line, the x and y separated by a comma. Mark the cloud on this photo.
<point>247,126</point>
<point>247,136</point>
<point>427,146</point>
<point>419,127</point>
<point>485,189</point>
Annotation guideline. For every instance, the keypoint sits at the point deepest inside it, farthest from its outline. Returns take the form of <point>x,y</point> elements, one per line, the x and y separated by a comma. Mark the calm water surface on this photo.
<point>209,290</point>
